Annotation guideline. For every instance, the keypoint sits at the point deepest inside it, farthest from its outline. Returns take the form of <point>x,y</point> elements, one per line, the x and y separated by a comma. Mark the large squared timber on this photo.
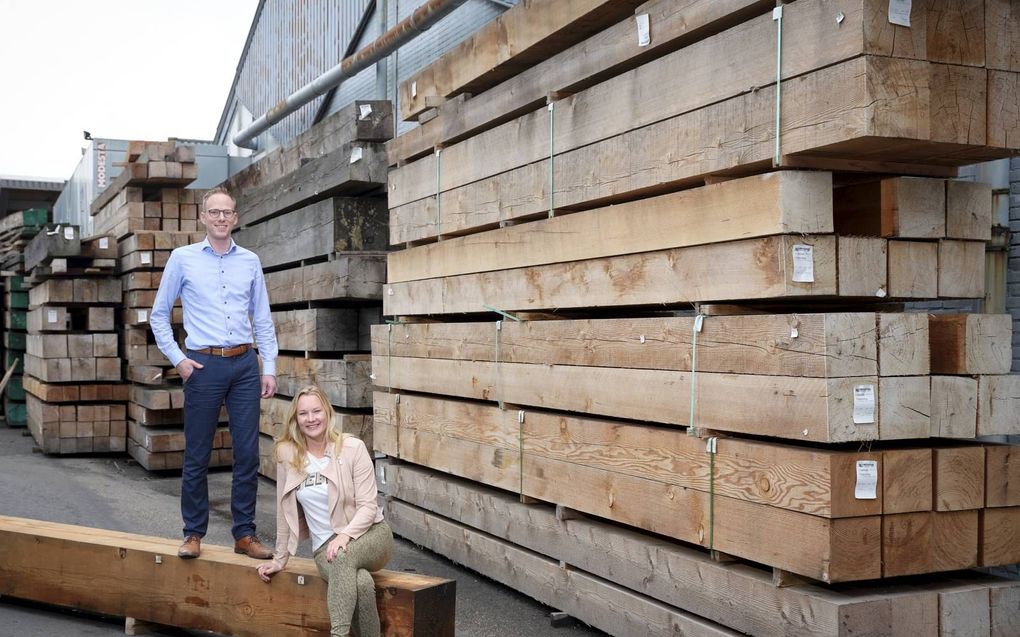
<point>138,576</point>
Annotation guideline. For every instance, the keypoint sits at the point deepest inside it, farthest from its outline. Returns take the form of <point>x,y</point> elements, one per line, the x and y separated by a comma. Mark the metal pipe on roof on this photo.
<point>405,31</point>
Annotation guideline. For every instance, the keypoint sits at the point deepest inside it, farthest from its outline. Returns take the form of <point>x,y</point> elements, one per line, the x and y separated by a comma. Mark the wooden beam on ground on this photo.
<point>138,576</point>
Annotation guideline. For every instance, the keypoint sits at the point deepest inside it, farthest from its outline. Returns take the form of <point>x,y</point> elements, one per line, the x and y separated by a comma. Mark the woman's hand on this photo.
<point>339,544</point>
<point>267,570</point>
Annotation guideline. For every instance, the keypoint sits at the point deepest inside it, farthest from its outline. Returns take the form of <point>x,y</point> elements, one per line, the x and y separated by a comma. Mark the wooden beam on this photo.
<point>325,329</point>
<point>345,382</point>
<point>772,203</point>
<point>971,343</point>
<point>959,478</point>
<point>1002,476</point>
<point>750,269</point>
<point>352,169</point>
<point>574,69</point>
<point>138,576</point>
<point>897,207</point>
<point>809,345</point>
<point>819,410</point>
<point>953,407</point>
<point>734,594</point>
<point>336,224</point>
<point>1000,536</point>
<point>968,210</point>
<point>517,39</point>
<point>345,276</point>
<point>52,241</point>
<point>961,269</point>
<point>998,405</point>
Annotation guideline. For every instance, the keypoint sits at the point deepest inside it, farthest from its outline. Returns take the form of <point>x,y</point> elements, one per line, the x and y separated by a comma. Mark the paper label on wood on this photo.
<point>864,404</point>
<point>143,316</point>
<point>356,154</point>
<point>414,89</point>
<point>644,35</point>
<point>145,257</point>
<point>104,243</point>
<point>51,316</point>
<point>365,110</point>
<point>69,233</point>
<point>899,12</point>
<point>803,263</point>
<point>867,480</point>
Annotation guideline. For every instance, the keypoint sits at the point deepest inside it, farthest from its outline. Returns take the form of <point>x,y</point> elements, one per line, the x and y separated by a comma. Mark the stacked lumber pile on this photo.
<point>156,400</point>
<point>72,368</point>
<point>311,211</point>
<point>16,231</point>
<point>150,194</point>
<point>798,427</point>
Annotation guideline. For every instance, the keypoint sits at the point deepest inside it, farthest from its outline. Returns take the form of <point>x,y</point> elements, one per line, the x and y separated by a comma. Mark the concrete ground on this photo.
<point>114,493</point>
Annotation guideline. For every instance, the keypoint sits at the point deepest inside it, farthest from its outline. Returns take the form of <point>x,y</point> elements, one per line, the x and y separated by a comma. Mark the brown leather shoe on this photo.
<point>252,547</point>
<point>191,548</point>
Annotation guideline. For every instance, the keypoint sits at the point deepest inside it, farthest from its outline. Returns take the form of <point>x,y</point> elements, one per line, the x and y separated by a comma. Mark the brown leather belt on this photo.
<point>226,352</point>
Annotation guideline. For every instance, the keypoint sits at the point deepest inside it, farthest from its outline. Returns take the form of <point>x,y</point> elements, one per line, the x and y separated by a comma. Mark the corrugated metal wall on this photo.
<point>294,42</point>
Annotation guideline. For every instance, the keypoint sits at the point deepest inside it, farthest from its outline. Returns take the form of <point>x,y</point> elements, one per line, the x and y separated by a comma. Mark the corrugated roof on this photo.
<point>15,182</point>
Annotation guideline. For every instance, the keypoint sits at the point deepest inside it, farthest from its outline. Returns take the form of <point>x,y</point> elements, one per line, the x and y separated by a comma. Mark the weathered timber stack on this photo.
<point>311,211</point>
<point>16,231</point>
<point>799,419</point>
<point>75,397</point>
<point>150,211</point>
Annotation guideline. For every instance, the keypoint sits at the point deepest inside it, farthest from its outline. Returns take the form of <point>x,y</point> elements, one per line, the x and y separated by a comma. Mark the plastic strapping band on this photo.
<point>439,204</point>
<point>552,156</point>
<point>389,355</point>
<point>711,446</point>
<point>698,321</point>
<point>520,448</point>
<point>777,15</point>
<point>499,377</point>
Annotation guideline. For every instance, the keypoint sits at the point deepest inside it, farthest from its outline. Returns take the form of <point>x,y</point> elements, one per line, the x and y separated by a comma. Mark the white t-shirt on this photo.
<point>313,497</point>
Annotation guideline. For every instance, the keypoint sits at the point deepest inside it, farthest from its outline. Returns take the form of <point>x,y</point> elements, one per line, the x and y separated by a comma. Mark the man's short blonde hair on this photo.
<point>218,190</point>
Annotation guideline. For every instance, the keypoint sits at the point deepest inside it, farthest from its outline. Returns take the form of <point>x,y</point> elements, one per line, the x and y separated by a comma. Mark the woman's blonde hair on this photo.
<point>291,433</point>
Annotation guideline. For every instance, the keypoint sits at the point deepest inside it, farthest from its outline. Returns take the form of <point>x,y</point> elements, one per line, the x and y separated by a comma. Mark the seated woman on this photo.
<point>325,489</point>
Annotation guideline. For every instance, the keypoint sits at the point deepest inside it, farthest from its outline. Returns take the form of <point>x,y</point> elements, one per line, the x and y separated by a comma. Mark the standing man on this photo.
<point>223,292</point>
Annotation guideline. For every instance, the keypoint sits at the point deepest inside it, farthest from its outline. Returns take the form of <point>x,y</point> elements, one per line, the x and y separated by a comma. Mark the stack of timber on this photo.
<point>155,437</point>
<point>311,211</point>
<point>798,427</point>
<point>16,230</point>
<point>72,368</point>
<point>150,193</point>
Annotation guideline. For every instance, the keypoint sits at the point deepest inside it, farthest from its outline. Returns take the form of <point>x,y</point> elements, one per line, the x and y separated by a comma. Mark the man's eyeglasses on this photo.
<point>226,214</point>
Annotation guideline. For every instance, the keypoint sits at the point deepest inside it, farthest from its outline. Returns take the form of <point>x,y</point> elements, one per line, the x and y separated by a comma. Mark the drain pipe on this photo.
<point>405,31</point>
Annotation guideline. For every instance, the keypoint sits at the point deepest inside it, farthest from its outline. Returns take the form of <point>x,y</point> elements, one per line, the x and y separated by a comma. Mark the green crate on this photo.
<point>35,217</point>
<point>15,340</point>
<point>17,320</point>
<point>10,356</point>
<point>17,300</point>
<point>17,283</point>
<point>15,413</point>
<point>15,390</point>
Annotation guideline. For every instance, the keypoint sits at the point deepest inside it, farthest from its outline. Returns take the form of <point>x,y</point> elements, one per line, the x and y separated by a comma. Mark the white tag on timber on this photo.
<point>803,263</point>
<point>69,233</point>
<point>864,404</point>
<point>365,110</point>
<point>899,12</point>
<point>794,332</point>
<point>356,154</point>
<point>867,480</point>
<point>699,322</point>
<point>414,89</point>
<point>143,316</point>
<point>880,293</point>
<point>642,339</point>
<point>145,257</point>
<point>644,34</point>
<point>777,13</point>
<point>104,243</point>
<point>51,316</point>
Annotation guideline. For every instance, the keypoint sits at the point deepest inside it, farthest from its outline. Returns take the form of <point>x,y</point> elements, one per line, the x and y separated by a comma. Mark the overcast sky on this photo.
<point>120,69</point>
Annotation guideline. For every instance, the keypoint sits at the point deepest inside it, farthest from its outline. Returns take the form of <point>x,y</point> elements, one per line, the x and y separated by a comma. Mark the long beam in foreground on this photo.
<point>141,577</point>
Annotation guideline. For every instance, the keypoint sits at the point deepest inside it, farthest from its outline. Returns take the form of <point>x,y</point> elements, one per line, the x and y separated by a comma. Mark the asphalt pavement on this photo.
<point>115,493</point>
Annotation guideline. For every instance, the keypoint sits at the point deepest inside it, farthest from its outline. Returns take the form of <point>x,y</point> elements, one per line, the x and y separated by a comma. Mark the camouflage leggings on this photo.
<point>350,592</point>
